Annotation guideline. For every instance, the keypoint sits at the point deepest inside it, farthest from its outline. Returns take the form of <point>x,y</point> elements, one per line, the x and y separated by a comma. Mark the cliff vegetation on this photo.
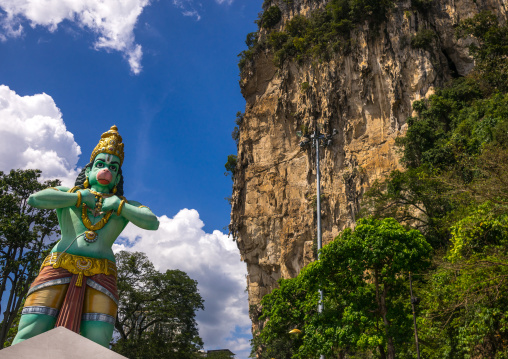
<point>440,220</point>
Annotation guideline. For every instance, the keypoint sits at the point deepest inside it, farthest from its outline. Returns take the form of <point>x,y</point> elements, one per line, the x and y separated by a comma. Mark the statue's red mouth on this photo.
<point>104,177</point>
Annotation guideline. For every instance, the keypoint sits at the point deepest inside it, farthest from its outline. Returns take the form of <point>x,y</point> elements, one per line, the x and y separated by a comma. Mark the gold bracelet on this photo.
<point>56,189</point>
<point>78,203</point>
<point>120,206</point>
<point>143,207</point>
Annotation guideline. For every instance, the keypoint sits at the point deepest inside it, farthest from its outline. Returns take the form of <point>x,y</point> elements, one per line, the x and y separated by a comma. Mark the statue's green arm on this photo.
<point>52,198</point>
<point>140,215</point>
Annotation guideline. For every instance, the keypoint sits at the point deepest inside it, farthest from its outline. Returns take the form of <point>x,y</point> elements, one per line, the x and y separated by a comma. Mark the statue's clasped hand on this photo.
<point>108,203</point>
<point>111,203</point>
<point>88,198</point>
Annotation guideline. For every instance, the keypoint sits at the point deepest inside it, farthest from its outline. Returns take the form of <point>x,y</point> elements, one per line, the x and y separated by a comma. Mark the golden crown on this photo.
<point>110,143</point>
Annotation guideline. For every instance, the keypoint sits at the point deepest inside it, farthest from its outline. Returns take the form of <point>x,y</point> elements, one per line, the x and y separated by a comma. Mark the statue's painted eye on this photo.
<point>113,168</point>
<point>100,164</point>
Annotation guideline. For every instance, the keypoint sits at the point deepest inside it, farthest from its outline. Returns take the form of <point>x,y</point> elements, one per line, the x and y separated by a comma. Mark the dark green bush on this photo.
<point>239,118</point>
<point>277,39</point>
<point>423,39</point>
<point>231,166</point>
<point>297,26</point>
<point>245,56</point>
<point>324,32</point>
<point>270,17</point>
<point>235,135</point>
<point>421,5</point>
<point>251,39</point>
<point>252,43</point>
<point>490,50</point>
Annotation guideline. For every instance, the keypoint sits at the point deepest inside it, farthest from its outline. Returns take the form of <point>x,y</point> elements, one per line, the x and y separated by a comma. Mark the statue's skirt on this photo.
<point>59,293</point>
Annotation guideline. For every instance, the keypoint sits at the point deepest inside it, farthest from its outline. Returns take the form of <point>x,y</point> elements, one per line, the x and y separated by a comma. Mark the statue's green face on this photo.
<point>104,172</point>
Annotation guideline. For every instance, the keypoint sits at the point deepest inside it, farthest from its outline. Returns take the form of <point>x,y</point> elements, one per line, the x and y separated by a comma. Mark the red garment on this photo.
<point>69,316</point>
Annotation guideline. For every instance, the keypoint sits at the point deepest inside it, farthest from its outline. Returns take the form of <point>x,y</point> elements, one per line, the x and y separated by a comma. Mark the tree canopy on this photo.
<point>26,234</point>
<point>156,313</point>
<point>364,276</point>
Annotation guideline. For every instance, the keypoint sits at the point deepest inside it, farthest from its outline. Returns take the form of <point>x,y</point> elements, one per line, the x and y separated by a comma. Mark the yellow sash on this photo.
<point>80,265</point>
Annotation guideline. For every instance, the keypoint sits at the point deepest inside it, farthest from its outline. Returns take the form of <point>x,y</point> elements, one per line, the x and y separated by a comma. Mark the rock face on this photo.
<point>366,95</point>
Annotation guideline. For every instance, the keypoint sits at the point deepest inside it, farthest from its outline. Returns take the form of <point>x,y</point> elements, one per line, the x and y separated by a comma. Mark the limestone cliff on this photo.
<point>366,94</point>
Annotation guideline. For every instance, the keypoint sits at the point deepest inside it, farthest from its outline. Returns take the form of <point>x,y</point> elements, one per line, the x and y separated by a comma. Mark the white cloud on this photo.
<point>210,258</point>
<point>192,13</point>
<point>188,8</point>
<point>227,2</point>
<point>113,21</point>
<point>33,135</point>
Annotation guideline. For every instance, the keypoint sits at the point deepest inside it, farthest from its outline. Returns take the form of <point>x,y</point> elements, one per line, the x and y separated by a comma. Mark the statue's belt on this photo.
<point>82,266</point>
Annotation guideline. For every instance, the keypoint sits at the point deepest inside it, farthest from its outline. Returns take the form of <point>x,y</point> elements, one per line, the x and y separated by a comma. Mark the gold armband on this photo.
<point>143,207</point>
<point>78,203</point>
<point>120,206</point>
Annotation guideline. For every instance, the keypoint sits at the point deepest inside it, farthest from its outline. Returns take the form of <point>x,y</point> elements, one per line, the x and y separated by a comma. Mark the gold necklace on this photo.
<point>90,235</point>
<point>99,198</point>
<point>99,194</point>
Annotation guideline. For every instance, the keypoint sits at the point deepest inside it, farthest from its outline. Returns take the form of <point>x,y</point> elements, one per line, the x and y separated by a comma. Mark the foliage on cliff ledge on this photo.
<point>270,17</point>
<point>454,190</point>
<point>323,33</point>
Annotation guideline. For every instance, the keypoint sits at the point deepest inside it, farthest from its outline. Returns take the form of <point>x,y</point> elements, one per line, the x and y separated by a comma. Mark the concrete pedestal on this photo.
<point>58,343</point>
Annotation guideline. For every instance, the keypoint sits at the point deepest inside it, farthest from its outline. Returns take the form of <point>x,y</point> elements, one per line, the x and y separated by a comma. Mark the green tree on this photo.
<point>490,50</point>
<point>455,189</point>
<point>465,302</point>
<point>220,354</point>
<point>156,313</point>
<point>363,274</point>
<point>231,166</point>
<point>26,234</point>
<point>270,17</point>
<point>320,34</point>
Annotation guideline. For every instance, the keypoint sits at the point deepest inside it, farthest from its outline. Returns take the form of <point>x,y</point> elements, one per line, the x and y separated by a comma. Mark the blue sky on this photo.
<point>165,72</point>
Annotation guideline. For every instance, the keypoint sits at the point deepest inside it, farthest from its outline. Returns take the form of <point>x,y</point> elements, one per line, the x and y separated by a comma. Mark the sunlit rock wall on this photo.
<point>366,95</point>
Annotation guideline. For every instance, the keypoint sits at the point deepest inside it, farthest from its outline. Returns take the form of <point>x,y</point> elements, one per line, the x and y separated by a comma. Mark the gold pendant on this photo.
<point>90,236</point>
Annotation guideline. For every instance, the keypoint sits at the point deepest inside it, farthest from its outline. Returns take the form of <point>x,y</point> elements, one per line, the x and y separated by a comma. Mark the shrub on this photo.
<point>423,39</point>
<point>304,86</point>
<point>245,56</point>
<point>270,17</point>
<point>324,32</point>
<point>231,166</point>
<point>239,118</point>
<point>421,5</point>
<point>235,135</point>
<point>252,39</point>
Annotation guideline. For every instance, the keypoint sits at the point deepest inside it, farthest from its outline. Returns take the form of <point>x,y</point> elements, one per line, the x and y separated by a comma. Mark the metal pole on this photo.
<point>316,137</point>
<point>414,316</point>
<point>318,209</point>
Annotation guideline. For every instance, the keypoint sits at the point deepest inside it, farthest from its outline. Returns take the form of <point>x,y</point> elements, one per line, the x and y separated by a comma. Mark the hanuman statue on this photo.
<point>76,286</point>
